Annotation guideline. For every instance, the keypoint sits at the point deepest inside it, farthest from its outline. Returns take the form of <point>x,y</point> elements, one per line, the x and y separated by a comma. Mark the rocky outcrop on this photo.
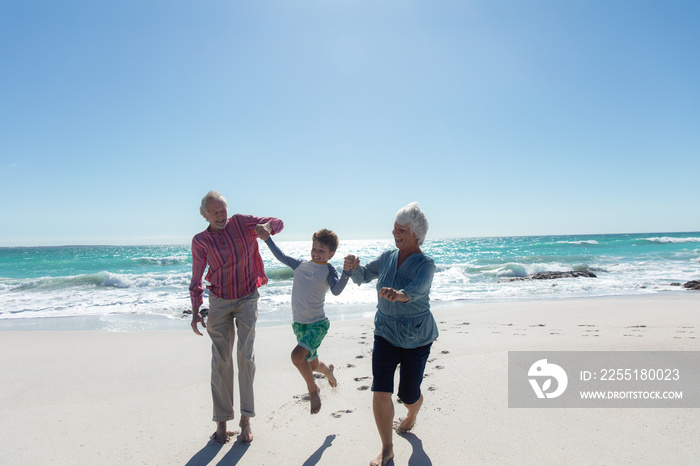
<point>552,275</point>
<point>692,285</point>
<point>203,312</point>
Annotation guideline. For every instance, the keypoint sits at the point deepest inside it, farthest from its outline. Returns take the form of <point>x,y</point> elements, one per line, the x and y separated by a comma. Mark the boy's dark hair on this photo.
<point>327,238</point>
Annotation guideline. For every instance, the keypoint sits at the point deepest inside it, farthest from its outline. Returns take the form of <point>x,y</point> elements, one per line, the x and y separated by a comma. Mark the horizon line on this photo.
<point>146,244</point>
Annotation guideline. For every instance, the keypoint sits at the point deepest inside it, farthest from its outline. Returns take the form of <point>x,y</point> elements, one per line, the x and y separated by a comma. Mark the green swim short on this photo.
<point>310,336</point>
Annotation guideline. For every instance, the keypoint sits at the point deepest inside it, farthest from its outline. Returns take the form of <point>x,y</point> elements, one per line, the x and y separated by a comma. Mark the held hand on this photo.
<point>197,317</point>
<point>393,295</point>
<point>263,231</point>
<point>351,263</point>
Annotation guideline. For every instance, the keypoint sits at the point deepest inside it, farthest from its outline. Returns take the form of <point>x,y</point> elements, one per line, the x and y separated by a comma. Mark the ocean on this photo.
<point>131,288</point>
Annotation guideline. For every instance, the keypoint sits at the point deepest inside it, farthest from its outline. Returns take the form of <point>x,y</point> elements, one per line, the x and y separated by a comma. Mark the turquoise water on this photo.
<point>142,287</point>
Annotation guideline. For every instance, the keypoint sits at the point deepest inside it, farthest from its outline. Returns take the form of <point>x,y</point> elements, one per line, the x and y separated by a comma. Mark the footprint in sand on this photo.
<point>338,414</point>
<point>359,379</point>
<point>444,352</point>
<point>363,388</point>
<point>350,366</point>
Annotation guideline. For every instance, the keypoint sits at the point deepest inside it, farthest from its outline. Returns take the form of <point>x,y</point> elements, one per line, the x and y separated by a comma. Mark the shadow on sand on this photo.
<point>316,457</point>
<point>419,457</point>
<point>205,456</point>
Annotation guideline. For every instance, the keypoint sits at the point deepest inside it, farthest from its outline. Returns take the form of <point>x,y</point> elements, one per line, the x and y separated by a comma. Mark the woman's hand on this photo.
<point>351,263</point>
<point>393,295</point>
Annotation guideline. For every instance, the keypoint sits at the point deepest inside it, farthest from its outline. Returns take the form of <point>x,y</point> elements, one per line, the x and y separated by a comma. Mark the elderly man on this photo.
<point>229,247</point>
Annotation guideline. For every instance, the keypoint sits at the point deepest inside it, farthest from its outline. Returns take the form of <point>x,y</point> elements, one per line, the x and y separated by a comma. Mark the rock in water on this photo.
<point>553,275</point>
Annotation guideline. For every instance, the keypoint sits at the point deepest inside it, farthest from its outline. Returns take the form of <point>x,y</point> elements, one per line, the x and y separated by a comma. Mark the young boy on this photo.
<point>311,281</point>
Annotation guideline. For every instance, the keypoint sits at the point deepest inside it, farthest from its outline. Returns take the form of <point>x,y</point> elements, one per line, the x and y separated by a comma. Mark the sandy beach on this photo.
<point>109,398</point>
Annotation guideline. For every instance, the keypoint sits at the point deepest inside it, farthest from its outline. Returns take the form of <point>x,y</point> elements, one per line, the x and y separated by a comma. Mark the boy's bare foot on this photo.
<point>315,398</point>
<point>331,378</point>
<point>326,370</point>
<point>246,434</point>
<point>384,457</point>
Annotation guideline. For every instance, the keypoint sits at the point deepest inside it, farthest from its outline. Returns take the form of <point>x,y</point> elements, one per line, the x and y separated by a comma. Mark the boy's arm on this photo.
<point>280,256</point>
<point>336,284</point>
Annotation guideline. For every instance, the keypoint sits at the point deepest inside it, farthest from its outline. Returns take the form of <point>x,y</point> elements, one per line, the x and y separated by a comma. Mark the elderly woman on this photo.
<point>404,327</point>
<point>229,247</point>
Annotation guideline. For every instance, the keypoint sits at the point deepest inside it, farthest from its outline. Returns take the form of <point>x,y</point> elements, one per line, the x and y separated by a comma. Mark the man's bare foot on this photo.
<point>246,434</point>
<point>220,436</point>
<point>315,398</point>
<point>384,457</point>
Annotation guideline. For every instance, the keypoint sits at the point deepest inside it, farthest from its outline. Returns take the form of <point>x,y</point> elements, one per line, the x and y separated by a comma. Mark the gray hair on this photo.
<point>415,219</point>
<point>211,196</point>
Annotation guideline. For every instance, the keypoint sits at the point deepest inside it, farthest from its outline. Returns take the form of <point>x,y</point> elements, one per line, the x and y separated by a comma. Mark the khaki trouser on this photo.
<point>223,313</point>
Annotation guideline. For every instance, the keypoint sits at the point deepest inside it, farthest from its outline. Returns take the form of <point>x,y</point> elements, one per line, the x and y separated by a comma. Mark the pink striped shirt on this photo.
<point>235,266</point>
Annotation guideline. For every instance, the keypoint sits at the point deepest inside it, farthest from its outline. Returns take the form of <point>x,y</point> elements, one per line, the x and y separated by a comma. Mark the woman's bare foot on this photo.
<point>403,426</point>
<point>384,457</point>
<point>246,434</point>
<point>315,399</point>
<point>406,424</point>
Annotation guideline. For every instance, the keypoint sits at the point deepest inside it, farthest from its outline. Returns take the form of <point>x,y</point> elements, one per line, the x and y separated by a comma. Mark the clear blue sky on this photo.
<point>499,117</point>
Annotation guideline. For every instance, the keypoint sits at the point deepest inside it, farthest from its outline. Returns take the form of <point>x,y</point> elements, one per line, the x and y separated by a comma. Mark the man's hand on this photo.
<point>263,230</point>
<point>197,317</point>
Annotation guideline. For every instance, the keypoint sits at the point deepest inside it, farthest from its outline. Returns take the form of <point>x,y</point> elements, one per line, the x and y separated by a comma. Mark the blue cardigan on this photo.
<point>405,325</point>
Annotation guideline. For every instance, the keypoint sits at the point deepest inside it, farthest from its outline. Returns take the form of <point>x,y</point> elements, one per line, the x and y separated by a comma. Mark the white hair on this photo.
<point>211,196</point>
<point>415,219</point>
